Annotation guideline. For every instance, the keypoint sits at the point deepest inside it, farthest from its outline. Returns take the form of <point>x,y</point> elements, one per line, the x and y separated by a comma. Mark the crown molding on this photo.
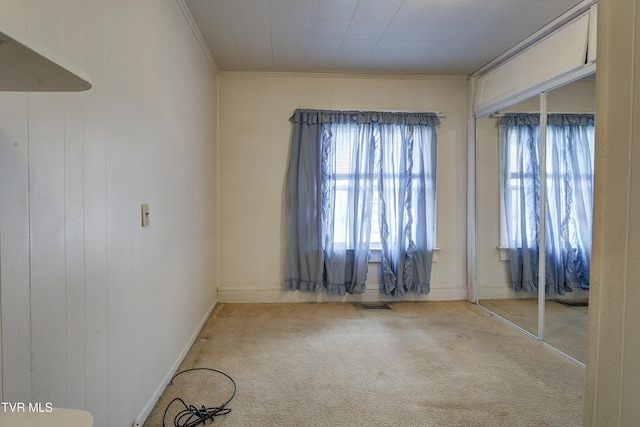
<point>196,32</point>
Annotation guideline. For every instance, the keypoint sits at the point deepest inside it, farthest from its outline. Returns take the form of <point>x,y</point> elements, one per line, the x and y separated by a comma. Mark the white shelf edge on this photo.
<point>30,67</point>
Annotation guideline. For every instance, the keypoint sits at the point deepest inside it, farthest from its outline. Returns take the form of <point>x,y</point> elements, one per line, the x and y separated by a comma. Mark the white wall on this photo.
<point>96,310</point>
<point>254,137</point>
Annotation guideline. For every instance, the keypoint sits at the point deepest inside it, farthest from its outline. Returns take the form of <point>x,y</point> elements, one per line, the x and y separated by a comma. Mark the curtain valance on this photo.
<point>570,120</point>
<point>519,119</point>
<point>553,119</point>
<point>303,116</point>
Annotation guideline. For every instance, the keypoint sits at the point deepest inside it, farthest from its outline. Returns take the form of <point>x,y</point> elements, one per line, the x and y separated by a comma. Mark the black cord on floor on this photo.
<point>191,416</point>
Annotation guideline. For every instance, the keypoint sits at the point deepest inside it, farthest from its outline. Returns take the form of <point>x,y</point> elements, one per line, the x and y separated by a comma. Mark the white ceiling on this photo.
<point>367,36</point>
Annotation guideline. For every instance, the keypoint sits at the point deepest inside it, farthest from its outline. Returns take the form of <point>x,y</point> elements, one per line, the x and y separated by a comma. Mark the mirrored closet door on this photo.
<point>532,157</point>
<point>516,303</point>
<point>570,166</point>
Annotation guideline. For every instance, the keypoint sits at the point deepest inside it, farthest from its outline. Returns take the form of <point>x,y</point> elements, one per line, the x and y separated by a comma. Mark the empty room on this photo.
<point>318,212</point>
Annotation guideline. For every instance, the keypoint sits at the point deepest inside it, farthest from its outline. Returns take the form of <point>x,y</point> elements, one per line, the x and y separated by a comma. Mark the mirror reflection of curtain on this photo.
<point>569,194</point>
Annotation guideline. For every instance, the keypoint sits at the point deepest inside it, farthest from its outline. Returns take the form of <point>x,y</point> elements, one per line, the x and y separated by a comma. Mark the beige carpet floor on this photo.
<point>336,364</point>
<point>565,326</point>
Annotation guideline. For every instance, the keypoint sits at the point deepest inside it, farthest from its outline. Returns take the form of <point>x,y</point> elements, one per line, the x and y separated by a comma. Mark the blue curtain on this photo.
<point>520,143</point>
<point>335,158</point>
<point>407,206</point>
<point>304,265</point>
<point>570,157</point>
<point>569,194</point>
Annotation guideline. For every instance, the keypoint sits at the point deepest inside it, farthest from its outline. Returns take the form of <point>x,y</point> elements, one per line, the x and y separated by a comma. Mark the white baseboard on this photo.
<point>276,294</point>
<point>500,291</point>
<point>174,367</point>
<point>505,290</point>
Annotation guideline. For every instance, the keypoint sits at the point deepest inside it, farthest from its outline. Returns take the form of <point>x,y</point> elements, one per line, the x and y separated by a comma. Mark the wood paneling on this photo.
<point>14,247</point>
<point>97,311</point>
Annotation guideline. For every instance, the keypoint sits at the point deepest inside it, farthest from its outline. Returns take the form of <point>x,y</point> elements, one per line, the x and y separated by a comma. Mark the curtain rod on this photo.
<point>439,114</point>
<point>499,114</point>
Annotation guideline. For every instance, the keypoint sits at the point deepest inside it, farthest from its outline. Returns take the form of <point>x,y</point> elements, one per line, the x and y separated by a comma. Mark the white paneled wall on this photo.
<point>96,310</point>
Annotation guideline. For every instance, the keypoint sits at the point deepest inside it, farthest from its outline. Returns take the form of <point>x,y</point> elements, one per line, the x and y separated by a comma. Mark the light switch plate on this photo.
<point>145,214</point>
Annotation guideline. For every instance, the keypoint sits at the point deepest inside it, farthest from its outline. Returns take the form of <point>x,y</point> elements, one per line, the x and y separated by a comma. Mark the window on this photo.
<point>357,181</point>
<point>345,179</point>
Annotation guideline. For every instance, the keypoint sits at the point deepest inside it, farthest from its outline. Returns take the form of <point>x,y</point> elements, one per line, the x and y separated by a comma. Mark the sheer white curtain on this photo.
<point>348,176</point>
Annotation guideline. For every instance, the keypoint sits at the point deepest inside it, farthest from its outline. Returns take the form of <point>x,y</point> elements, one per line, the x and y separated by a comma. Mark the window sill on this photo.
<point>504,253</point>
<point>376,255</point>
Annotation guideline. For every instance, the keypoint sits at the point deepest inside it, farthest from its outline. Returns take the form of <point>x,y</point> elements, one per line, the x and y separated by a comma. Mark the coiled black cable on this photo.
<point>192,416</point>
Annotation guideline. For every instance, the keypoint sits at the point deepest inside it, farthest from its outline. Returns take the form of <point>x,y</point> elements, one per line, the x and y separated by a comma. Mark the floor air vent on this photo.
<point>572,303</point>
<point>376,306</point>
